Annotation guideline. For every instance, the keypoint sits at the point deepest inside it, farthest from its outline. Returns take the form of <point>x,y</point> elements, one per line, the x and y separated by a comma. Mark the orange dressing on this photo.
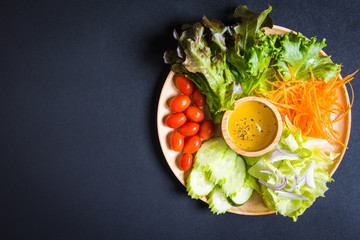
<point>252,126</point>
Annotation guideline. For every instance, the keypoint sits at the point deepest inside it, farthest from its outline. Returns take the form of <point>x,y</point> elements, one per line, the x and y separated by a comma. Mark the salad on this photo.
<point>226,62</point>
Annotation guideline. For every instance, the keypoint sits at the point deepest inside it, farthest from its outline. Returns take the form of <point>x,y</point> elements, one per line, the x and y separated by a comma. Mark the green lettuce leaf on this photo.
<point>251,182</point>
<point>249,25</point>
<point>217,29</point>
<point>199,59</point>
<point>222,59</point>
<point>252,51</point>
<point>302,54</point>
<point>294,208</point>
<point>290,169</point>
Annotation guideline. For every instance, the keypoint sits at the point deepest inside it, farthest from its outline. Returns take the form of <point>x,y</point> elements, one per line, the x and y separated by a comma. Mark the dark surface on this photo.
<point>79,153</point>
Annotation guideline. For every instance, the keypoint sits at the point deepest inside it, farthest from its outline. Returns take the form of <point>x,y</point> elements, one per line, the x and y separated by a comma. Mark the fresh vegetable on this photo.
<point>299,56</point>
<point>184,85</point>
<point>291,183</point>
<point>180,103</point>
<point>186,161</point>
<point>206,130</point>
<point>198,184</point>
<point>251,54</point>
<point>221,170</point>
<point>309,104</point>
<point>282,154</point>
<point>177,141</point>
<point>210,153</point>
<point>204,57</point>
<point>189,129</point>
<point>222,173</point>
<point>236,180</point>
<point>199,98</point>
<point>175,120</point>
<point>241,197</point>
<point>279,184</point>
<point>192,144</point>
<point>187,126</point>
<point>218,202</point>
<point>194,113</point>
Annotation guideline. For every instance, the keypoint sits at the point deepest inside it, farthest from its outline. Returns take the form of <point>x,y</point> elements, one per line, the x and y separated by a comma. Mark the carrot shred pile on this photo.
<point>311,105</point>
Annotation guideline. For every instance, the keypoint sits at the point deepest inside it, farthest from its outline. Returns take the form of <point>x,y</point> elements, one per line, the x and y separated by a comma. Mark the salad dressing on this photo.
<point>252,126</point>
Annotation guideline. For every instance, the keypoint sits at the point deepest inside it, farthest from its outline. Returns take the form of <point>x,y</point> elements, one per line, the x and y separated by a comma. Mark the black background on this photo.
<point>79,152</point>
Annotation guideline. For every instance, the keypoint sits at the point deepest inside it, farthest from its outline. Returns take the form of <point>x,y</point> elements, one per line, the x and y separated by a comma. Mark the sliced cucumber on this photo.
<point>240,197</point>
<point>218,202</point>
<point>236,179</point>
<point>198,184</point>
<point>220,171</point>
<point>210,152</point>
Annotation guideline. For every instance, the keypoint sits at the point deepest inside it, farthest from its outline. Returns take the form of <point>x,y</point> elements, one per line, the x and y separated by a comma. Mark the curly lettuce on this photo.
<point>302,54</point>
<point>225,62</point>
<point>292,169</point>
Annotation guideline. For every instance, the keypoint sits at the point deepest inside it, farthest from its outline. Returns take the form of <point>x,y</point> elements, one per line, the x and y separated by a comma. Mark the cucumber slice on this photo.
<point>218,202</point>
<point>198,184</point>
<point>236,180</point>
<point>220,171</point>
<point>210,153</point>
<point>240,197</point>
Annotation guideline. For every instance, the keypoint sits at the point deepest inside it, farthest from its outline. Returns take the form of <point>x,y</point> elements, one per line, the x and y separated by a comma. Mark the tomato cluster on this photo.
<point>188,121</point>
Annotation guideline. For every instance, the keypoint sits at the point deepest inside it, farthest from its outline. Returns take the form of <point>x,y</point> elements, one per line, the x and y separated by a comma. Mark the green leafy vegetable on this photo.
<point>248,26</point>
<point>252,51</point>
<point>302,54</point>
<point>294,208</point>
<point>208,70</point>
<point>221,59</point>
<point>277,200</point>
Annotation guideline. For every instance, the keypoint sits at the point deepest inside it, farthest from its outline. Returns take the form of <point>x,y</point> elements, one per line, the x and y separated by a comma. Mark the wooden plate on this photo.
<point>255,206</point>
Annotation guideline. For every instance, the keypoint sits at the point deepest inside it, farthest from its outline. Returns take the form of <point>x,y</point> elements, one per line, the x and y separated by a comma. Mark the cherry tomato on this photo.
<point>189,128</point>
<point>180,103</point>
<point>199,98</point>
<point>186,161</point>
<point>177,141</point>
<point>206,129</point>
<point>194,113</point>
<point>185,85</point>
<point>192,144</point>
<point>175,120</point>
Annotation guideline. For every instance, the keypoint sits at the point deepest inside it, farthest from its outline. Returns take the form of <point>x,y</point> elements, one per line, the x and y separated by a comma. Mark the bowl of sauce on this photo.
<point>253,128</point>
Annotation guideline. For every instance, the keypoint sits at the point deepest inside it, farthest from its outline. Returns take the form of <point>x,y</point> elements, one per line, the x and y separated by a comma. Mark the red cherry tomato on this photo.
<point>189,128</point>
<point>194,113</point>
<point>199,98</point>
<point>175,120</point>
<point>206,129</point>
<point>185,85</point>
<point>177,141</point>
<point>180,103</point>
<point>186,161</point>
<point>192,144</point>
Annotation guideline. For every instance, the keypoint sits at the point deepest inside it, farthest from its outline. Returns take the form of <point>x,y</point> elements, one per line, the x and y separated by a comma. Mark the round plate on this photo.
<point>255,205</point>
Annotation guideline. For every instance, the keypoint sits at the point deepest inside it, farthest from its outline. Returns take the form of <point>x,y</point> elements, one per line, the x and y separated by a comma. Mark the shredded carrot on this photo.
<point>310,105</point>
